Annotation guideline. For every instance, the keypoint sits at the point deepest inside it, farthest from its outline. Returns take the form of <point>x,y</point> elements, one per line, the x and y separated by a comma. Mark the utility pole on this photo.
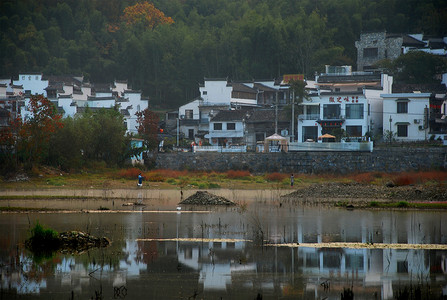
<point>177,131</point>
<point>293,116</point>
<point>276,114</point>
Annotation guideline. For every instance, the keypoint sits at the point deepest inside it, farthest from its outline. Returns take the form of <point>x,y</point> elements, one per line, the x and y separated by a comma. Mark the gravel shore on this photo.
<point>356,192</point>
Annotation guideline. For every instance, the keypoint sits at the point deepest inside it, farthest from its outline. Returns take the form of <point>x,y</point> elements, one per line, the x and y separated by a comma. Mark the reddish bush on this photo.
<point>131,173</point>
<point>232,174</point>
<point>439,176</point>
<point>276,176</point>
<point>405,179</point>
<point>154,176</point>
<point>170,173</point>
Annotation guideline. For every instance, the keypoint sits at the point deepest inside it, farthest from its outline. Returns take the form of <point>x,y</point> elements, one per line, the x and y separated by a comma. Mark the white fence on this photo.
<point>220,149</point>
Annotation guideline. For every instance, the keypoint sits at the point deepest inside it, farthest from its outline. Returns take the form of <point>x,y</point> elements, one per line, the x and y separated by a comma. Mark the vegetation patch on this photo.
<point>44,242</point>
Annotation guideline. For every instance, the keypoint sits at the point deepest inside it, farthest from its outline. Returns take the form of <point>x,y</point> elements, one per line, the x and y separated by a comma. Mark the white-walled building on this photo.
<point>227,128</point>
<point>344,100</point>
<point>33,83</point>
<point>405,115</point>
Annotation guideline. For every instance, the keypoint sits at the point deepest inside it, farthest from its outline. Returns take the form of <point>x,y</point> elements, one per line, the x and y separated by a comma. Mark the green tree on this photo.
<point>419,67</point>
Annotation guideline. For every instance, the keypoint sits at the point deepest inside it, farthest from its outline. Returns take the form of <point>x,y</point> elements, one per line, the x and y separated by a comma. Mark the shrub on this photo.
<point>154,177</point>
<point>374,204</point>
<point>43,241</point>
<point>131,173</point>
<point>363,178</point>
<point>402,204</point>
<point>213,186</point>
<point>276,176</point>
<point>405,179</point>
<point>232,174</point>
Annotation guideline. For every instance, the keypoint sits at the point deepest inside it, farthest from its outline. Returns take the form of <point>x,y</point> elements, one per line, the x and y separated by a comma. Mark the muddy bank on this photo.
<point>356,192</point>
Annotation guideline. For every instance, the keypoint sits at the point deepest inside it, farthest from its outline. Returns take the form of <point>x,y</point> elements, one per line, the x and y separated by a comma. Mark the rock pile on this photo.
<point>78,241</point>
<point>205,198</point>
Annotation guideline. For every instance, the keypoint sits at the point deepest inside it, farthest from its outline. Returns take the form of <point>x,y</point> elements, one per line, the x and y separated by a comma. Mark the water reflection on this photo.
<point>138,264</point>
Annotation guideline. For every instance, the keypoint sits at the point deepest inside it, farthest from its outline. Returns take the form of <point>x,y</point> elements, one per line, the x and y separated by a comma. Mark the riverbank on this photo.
<point>336,194</point>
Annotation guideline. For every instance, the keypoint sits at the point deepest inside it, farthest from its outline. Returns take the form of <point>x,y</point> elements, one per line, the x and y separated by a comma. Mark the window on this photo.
<point>191,134</point>
<point>354,130</point>
<point>370,52</point>
<point>354,111</point>
<point>337,89</point>
<point>231,126</point>
<point>188,113</point>
<point>217,126</point>
<point>205,93</point>
<point>23,77</point>
<point>402,130</point>
<point>402,107</point>
<point>331,111</point>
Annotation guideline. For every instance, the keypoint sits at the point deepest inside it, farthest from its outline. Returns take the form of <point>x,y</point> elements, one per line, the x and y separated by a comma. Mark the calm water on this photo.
<point>226,261</point>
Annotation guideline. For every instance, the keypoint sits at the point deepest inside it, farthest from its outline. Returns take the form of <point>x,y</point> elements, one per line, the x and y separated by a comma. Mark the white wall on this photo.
<point>217,91</point>
<point>137,105</point>
<point>65,103</point>
<point>32,82</point>
<point>194,105</point>
<point>416,104</point>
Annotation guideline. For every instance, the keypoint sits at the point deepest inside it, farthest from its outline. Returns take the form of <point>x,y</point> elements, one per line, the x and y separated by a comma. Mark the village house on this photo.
<point>345,101</point>
<point>219,94</point>
<point>72,95</point>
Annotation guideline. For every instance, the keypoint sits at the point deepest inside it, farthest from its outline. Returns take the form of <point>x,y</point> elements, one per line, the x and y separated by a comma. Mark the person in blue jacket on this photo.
<point>140,180</point>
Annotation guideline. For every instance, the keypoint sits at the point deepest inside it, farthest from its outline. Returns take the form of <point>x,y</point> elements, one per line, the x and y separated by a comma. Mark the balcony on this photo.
<point>309,117</point>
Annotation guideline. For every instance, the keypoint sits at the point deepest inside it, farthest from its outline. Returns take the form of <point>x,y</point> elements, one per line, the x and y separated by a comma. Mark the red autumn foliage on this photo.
<point>148,127</point>
<point>232,174</point>
<point>131,173</point>
<point>276,176</point>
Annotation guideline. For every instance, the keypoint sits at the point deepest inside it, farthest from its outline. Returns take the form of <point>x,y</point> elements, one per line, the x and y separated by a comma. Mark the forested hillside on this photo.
<point>168,48</point>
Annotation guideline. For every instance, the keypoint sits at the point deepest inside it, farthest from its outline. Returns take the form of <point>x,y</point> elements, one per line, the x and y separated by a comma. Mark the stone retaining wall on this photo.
<point>384,160</point>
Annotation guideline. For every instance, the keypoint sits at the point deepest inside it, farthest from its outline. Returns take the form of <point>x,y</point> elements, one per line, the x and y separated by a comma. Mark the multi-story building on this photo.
<point>341,104</point>
<point>406,116</point>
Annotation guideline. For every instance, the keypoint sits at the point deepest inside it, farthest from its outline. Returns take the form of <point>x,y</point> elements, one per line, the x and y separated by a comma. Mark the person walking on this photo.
<point>140,180</point>
<point>292,179</point>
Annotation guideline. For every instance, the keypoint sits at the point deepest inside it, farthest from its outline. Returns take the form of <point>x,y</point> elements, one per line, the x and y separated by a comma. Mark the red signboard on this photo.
<point>286,78</point>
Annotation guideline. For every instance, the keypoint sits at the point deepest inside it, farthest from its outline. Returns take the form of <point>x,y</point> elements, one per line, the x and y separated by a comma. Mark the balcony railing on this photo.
<point>309,117</point>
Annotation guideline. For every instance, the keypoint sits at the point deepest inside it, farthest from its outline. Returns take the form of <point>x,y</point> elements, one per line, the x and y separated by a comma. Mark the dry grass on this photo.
<point>162,178</point>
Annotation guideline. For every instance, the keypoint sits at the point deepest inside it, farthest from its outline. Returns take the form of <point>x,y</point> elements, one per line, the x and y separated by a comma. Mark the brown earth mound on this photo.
<point>205,198</point>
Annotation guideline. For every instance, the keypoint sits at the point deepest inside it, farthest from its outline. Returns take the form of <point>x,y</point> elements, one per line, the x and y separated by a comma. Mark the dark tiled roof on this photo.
<point>102,87</point>
<point>348,78</point>
<point>411,41</point>
<point>66,79</point>
<point>264,115</point>
<point>423,88</point>
<point>263,87</point>
<point>229,115</point>
<point>240,87</point>
<point>124,112</point>
<point>436,44</point>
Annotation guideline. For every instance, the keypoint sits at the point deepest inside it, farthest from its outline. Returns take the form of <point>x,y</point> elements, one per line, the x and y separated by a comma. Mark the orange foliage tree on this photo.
<point>148,128</point>
<point>35,132</point>
<point>146,14</point>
